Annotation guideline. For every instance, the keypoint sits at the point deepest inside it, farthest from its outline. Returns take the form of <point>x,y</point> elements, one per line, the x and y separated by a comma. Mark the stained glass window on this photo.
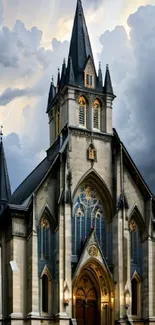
<point>44,239</point>
<point>96,114</point>
<point>134,242</point>
<point>82,111</point>
<point>88,213</point>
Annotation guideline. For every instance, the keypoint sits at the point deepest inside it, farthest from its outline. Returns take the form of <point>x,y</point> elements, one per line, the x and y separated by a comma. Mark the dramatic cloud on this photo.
<point>132,63</point>
<point>27,68</point>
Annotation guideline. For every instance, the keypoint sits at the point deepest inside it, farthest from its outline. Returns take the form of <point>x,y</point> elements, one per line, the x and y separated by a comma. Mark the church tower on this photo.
<point>80,121</point>
<point>80,99</point>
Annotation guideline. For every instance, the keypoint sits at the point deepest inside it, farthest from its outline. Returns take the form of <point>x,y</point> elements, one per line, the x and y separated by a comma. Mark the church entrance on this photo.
<point>92,297</point>
<point>86,302</point>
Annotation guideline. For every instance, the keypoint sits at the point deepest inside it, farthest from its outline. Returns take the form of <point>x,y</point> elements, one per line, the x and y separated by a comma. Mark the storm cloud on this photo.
<point>27,68</point>
<point>132,65</point>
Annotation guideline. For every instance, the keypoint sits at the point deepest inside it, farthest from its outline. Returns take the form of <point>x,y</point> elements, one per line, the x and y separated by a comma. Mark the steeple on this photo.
<point>80,47</point>
<point>108,89</point>
<point>5,189</point>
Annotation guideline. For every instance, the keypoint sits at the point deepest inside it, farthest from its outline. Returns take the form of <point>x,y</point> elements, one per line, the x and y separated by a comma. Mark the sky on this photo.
<point>34,39</point>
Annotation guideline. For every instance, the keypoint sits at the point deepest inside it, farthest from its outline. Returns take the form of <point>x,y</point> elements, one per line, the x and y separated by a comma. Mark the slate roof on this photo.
<point>108,89</point>
<point>80,47</point>
<point>28,186</point>
<point>52,94</point>
<point>5,189</point>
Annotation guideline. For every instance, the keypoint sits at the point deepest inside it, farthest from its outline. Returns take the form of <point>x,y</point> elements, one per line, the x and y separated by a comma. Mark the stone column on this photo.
<point>109,101</point>
<point>61,263</point>
<point>33,267</point>
<point>68,254</point>
<point>151,311</point>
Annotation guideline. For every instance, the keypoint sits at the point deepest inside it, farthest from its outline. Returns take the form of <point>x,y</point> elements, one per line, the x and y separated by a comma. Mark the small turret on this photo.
<point>100,79</point>
<point>58,79</point>
<point>108,89</point>
<point>109,97</point>
<point>63,74</point>
<point>52,94</point>
<point>70,78</point>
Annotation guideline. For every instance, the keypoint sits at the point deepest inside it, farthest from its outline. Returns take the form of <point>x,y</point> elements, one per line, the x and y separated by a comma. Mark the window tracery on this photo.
<point>88,213</point>
<point>82,111</point>
<point>96,114</point>
<point>45,239</point>
<point>134,242</point>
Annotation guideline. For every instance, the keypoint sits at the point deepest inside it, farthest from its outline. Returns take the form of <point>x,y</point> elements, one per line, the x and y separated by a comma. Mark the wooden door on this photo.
<point>86,303</point>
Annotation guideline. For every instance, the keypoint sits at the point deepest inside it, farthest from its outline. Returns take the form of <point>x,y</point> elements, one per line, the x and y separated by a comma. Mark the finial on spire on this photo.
<point>53,79</point>
<point>107,66</point>
<point>99,65</point>
<point>1,133</point>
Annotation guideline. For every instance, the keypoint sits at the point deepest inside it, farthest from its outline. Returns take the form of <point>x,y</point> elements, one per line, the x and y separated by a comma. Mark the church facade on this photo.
<point>77,237</point>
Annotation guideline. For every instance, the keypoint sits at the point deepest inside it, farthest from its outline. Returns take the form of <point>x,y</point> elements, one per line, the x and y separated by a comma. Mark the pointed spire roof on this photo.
<point>58,78</point>
<point>100,79</point>
<point>108,89</point>
<point>52,94</point>
<point>63,73</point>
<point>5,189</point>
<point>80,47</point>
<point>70,77</point>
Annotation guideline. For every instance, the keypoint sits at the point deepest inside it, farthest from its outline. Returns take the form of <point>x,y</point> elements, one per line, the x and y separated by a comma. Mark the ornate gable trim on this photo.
<point>92,251</point>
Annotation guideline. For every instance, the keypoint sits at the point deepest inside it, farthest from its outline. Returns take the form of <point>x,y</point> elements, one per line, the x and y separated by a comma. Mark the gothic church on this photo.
<point>77,237</point>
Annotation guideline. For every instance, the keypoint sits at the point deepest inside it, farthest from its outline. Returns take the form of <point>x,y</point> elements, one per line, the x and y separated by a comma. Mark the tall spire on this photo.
<point>5,189</point>
<point>80,47</point>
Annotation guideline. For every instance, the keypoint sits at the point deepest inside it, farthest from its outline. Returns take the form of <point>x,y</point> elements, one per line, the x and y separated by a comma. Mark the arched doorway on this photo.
<point>93,296</point>
<point>86,302</point>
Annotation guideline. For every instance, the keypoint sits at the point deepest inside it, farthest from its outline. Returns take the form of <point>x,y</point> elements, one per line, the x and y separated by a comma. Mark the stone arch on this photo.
<point>94,179</point>
<point>46,212</point>
<point>103,289</point>
<point>137,217</point>
<point>85,96</point>
<point>136,294</point>
<point>45,291</point>
<point>99,99</point>
<point>46,272</point>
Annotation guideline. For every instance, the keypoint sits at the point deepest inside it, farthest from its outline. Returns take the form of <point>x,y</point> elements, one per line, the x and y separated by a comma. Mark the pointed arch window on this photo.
<point>96,114</point>
<point>134,242</point>
<point>45,239</point>
<point>45,294</point>
<point>82,111</point>
<point>88,213</point>
<point>134,286</point>
<point>136,294</point>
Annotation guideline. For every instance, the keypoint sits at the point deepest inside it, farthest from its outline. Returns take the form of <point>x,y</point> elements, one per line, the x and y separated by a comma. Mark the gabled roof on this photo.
<point>80,46</point>
<point>35,179</point>
<point>28,186</point>
<point>5,189</point>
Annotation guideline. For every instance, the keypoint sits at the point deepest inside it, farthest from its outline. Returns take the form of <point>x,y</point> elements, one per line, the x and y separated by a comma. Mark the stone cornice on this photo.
<point>84,133</point>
